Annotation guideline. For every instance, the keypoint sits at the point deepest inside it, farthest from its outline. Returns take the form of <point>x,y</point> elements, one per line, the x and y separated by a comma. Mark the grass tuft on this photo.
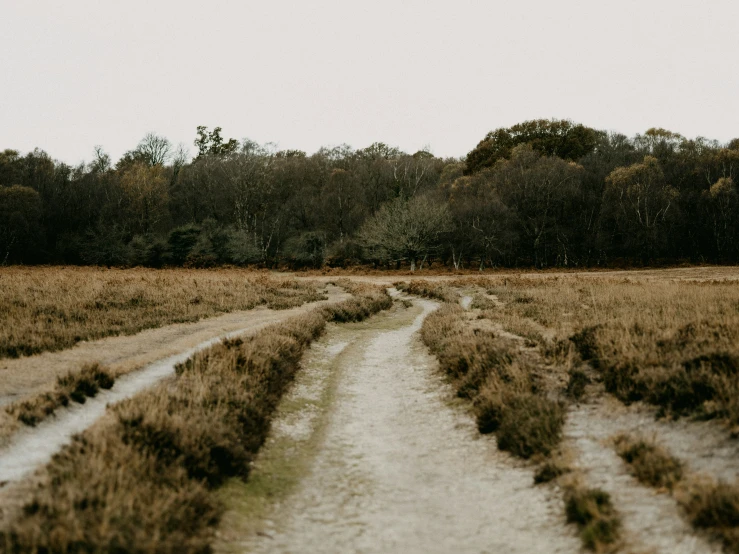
<point>577,383</point>
<point>76,386</point>
<point>550,470</point>
<point>531,425</point>
<point>713,507</point>
<point>593,512</point>
<point>491,372</point>
<point>650,463</point>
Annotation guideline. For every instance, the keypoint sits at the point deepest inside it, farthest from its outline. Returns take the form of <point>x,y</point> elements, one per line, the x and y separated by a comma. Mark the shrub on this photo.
<point>650,463</point>
<point>306,250</point>
<point>714,507</point>
<point>549,471</point>
<point>531,425</point>
<point>181,241</point>
<point>592,511</point>
<point>577,383</point>
<point>76,386</point>
<point>147,251</point>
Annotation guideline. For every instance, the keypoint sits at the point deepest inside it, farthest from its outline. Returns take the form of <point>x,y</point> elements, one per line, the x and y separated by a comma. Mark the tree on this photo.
<point>484,225</point>
<point>20,230</point>
<point>10,167</point>
<point>341,209</point>
<point>642,204</point>
<point>540,191</point>
<point>406,229</point>
<point>101,161</point>
<point>415,174</point>
<point>659,142</point>
<point>155,150</point>
<point>145,188</point>
<point>211,144</point>
<point>560,138</point>
<point>723,202</point>
<point>373,168</point>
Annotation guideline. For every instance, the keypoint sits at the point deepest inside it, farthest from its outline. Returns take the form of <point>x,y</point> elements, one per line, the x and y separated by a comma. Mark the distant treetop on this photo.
<point>555,137</point>
<point>211,144</point>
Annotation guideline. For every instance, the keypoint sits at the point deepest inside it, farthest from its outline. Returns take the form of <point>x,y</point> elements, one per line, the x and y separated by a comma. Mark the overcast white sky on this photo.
<point>303,74</point>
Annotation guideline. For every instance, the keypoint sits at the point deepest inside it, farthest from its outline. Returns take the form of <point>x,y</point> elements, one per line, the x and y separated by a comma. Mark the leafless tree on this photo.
<point>154,149</point>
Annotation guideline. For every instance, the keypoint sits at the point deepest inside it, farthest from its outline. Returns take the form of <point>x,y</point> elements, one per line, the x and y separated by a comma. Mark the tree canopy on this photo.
<point>542,193</point>
<point>555,137</point>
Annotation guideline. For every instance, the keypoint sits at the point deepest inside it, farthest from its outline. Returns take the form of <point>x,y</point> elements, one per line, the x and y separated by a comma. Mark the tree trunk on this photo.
<point>413,264</point>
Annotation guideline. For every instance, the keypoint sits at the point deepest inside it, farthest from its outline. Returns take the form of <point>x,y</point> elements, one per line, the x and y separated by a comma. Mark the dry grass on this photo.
<point>592,511</point>
<point>713,507</point>
<point>47,309</point>
<point>142,480</point>
<point>76,386</point>
<point>577,384</point>
<point>710,506</point>
<point>672,343</point>
<point>650,463</point>
<point>428,289</point>
<point>531,424</point>
<point>489,370</point>
<point>553,467</point>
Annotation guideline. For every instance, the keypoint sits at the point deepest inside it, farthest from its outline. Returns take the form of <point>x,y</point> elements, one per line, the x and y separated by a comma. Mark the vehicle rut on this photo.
<point>369,453</point>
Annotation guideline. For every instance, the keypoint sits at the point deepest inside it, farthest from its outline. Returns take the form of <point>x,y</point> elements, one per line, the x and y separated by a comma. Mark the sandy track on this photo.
<point>22,449</point>
<point>652,520</point>
<point>30,375</point>
<point>389,464</point>
<point>145,359</point>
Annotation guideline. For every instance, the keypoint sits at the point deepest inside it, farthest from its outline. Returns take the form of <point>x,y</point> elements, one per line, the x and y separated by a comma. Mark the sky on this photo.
<point>306,74</point>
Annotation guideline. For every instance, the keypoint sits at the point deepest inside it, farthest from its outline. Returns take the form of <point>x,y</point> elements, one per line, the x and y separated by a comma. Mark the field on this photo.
<point>249,411</point>
<point>52,309</point>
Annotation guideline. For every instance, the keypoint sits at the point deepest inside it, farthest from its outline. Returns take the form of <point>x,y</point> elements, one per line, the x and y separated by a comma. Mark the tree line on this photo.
<point>543,193</point>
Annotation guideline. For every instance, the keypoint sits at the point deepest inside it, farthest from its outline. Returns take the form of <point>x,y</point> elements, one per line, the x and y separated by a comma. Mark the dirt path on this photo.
<point>369,454</point>
<point>23,377</point>
<point>652,520</point>
<point>29,448</point>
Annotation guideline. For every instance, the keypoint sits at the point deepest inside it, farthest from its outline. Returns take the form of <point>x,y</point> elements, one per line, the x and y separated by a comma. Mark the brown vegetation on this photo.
<point>713,507</point>
<point>672,343</point>
<point>592,511</point>
<point>141,481</point>
<point>709,505</point>
<point>75,386</point>
<point>427,289</point>
<point>490,370</point>
<point>552,468</point>
<point>650,463</point>
<point>46,309</point>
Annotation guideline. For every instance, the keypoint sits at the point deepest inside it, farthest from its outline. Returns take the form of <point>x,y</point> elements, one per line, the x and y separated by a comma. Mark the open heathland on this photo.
<point>536,354</point>
<point>47,309</point>
<point>671,343</point>
<point>604,400</point>
<point>142,479</point>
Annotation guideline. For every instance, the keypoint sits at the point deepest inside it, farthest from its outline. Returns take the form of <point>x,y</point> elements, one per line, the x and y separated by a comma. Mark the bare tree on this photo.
<point>101,161</point>
<point>154,149</point>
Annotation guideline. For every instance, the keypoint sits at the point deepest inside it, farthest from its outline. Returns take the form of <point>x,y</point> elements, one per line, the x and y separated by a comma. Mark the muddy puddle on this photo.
<point>369,453</point>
